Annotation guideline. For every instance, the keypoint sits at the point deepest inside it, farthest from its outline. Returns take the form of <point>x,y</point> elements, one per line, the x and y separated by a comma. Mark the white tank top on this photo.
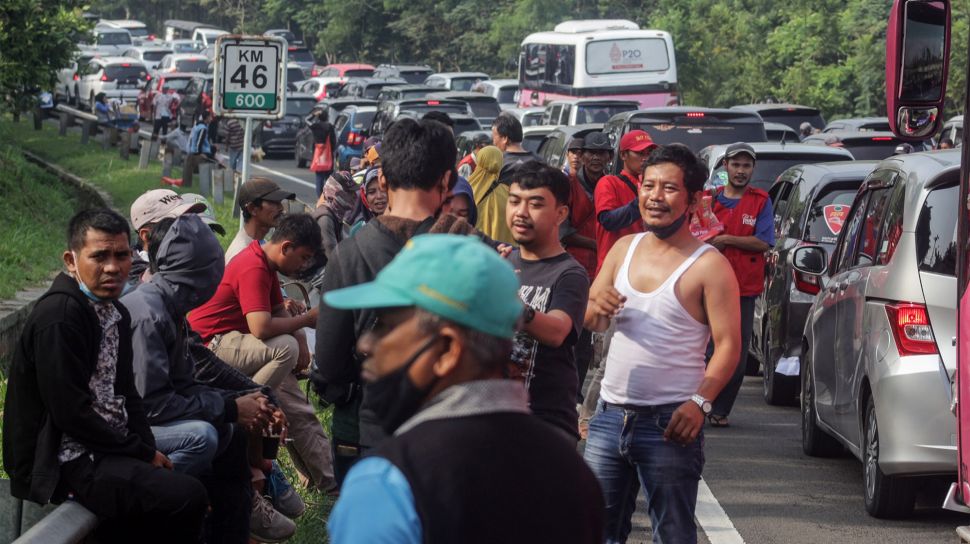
<point>657,352</point>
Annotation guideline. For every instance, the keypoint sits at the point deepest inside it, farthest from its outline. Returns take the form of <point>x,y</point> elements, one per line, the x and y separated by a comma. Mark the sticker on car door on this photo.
<point>835,215</point>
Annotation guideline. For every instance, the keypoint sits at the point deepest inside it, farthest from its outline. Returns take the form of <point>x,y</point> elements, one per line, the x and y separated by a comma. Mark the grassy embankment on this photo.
<point>35,208</point>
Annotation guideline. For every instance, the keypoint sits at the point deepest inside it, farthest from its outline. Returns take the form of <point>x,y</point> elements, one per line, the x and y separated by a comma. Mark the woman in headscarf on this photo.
<point>334,210</point>
<point>371,202</point>
<point>491,196</point>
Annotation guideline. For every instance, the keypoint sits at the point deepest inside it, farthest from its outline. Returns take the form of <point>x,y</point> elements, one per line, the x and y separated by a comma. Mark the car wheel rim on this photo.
<point>872,453</point>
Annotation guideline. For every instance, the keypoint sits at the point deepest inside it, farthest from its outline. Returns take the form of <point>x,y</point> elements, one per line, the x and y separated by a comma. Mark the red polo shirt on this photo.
<point>612,193</point>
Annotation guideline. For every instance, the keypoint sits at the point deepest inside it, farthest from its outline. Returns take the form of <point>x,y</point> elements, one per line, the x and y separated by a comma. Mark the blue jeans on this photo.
<point>626,445</point>
<point>191,445</point>
<point>235,159</point>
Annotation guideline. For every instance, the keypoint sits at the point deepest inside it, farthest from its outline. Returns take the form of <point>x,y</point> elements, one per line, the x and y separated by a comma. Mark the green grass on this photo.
<point>123,181</point>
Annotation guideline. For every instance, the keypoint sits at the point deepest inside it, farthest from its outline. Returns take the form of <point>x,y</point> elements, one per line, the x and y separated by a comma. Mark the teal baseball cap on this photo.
<point>455,277</point>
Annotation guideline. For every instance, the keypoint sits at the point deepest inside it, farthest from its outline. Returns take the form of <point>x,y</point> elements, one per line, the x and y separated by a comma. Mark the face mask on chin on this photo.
<point>394,398</point>
<point>668,230</point>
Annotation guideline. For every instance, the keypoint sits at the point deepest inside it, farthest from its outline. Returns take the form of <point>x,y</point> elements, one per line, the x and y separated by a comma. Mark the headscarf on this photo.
<point>490,195</point>
<point>488,161</point>
<point>340,194</point>
<point>464,188</point>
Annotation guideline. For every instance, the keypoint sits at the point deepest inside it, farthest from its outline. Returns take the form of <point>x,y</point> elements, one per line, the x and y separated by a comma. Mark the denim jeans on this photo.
<point>626,445</point>
<point>235,159</point>
<point>191,445</point>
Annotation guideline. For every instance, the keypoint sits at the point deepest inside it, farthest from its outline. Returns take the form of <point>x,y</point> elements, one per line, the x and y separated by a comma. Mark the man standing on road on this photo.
<point>464,444</point>
<point>555,289</point>
<point>73,420</point>
<point>162,111</point>
<point>666,294</point>
<point>749,231</point>
<point>507,136</point>
<point>417,159</point>
<point>235,138</point>
<point>261,202</point>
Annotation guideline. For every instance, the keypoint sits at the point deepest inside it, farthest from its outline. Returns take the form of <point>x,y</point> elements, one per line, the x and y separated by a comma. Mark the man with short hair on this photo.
<point>749,231</point>
<point>146,211</point>
<point>805,130</point>
<point>442,118</point>
<point>466,456</point>
<point>666,294</point>
<point>162,104</point>
<point>507,136</point>
<point>74,424</point>
<point>555,288</point>
<point>418,158</point>
<point>574,155</point>
<point>260,200</point>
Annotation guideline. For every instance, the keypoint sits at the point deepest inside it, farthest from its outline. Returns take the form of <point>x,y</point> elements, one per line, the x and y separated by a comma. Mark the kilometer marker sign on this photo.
<point>249,79</point>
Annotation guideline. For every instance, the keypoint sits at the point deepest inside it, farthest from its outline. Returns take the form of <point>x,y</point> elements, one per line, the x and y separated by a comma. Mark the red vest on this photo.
<point>749,266</point>
<point>582,216</point>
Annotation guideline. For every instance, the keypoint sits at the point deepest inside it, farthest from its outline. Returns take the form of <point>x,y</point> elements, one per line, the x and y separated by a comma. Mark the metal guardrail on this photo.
<point>69,523</point>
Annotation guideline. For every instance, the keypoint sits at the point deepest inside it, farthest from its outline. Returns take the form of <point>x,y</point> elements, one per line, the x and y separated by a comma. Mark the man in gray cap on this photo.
<point>146,211</point>
<point>748,219</point>
<point>260,200</point>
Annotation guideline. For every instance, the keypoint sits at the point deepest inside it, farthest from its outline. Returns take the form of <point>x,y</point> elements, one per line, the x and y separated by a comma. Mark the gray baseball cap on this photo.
<point>738,148</point>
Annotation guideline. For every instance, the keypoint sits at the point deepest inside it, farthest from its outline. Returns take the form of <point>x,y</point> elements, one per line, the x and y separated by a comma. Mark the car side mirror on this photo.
<point>810,260</point>
<point>917,62</point>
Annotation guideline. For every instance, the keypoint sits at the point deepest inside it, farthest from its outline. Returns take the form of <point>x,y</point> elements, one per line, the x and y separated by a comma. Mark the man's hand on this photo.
<point>161,461</point>
<point>294,307</point>
<point>504,250</point>
<point>303,359</point>
<point>685,424</point>
<point>254,411</point>
<point>607,303</point>
<point>720,241</point>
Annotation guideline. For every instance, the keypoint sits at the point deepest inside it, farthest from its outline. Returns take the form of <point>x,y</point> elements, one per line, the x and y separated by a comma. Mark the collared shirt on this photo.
<point>104,401</point>
<point>376,503</point>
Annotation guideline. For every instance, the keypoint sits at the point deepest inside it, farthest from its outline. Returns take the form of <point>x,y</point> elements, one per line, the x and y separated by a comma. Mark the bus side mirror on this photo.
<point>917,59</point>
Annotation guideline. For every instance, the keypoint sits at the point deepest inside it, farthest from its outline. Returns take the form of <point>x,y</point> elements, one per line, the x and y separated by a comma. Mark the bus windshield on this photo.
<point>629,55</point>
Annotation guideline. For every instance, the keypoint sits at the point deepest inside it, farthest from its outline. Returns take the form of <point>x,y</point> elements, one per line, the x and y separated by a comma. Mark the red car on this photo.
<point>342,70</point>
<point>174,80</point>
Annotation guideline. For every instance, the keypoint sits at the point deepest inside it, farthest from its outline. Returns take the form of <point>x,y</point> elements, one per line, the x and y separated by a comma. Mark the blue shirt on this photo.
<point>764,227</point>
<point>375,506</point>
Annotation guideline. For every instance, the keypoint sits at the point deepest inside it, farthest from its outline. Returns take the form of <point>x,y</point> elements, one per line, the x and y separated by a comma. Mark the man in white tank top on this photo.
<point>665,293</point>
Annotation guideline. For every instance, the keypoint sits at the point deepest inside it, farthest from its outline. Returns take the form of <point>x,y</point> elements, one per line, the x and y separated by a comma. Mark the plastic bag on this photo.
<point>704,225</point>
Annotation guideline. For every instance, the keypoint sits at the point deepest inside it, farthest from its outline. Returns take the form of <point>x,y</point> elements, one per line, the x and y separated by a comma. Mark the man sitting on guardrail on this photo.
<point>74,424</point>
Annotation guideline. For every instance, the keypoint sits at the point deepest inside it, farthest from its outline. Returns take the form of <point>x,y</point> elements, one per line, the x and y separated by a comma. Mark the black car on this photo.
<point>811,203</point>
<point>859,124</point>
<point>405,92</point>
<point>368,87</point>
<point>552,150</point>
<point>412,73</point>
<point>696,128</point>
<point>484,107</point>
<point>279,135</point>
<point>792,115</point>
<point>864,146</point>
<point>389,111</point>
<point>773,159</point>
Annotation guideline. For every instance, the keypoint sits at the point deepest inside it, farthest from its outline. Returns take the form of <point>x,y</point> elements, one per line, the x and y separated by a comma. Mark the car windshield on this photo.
<point>829,211</point>
<point>532,119</point>
<point>155,55</point>
<point>415,77</point>
<point>372,91</point>
<point>192,65</point>
<point>184,47</point>
<point>301,55</point>
<point>417,93</point>
<point>363,119</point>
<point>698,135</point>
<point>299,106</point>
<point>600,113</point>
<point>768,168</point>
<point>506,95</point>
<point>794,119</point>
<point>138,32</point>
<point>421,109</point>
<point>125,72</point>
<point>114,38</point>
<point>363,72</point>
<point>464,83</point>
<point>936,231</point>
<point>485,108</point>
<point>294,74</point>
<point>176,84</point>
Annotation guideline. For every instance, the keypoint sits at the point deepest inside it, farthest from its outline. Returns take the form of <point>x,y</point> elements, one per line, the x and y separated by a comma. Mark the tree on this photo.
<point>37,38</point>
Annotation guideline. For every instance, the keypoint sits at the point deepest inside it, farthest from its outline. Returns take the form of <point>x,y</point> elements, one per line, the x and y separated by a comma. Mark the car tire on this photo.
<point>778,390</point>
<point>300,160</point>
<point>815,441</point>
<point>752,365</point>
<point>886,497</point>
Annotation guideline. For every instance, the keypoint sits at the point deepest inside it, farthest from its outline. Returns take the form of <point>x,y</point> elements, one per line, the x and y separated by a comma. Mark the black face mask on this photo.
<point>669,230</point>
<point>394,398</point>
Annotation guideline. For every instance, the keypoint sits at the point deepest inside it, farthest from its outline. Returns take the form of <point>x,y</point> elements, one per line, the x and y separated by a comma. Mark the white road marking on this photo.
<point>712,518</point>
<point>284,176</point>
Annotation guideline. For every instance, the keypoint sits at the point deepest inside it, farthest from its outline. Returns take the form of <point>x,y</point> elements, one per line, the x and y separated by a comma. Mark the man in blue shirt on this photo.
<point>749,232</point>
<point>468,462</point>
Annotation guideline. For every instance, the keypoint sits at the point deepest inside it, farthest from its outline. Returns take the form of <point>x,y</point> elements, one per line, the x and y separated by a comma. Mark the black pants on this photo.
<point>136,501</point>
<point>230,486</point>
<point>160,124</point>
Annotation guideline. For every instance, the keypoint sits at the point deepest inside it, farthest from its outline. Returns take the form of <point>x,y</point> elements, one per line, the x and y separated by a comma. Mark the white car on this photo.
<point>504,90</point>
<point>110,40</point>
<point>205,36</point>
<point>149,55</point>
<point>181,46</point>
<point>116,77</point>
<point>67,78</point>
<point>137,29</point>
<point>321,87</point>
<point>183,62</point>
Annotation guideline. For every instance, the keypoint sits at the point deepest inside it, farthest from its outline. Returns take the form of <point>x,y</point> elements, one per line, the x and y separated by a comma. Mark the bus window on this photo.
<point>629,55</point>
<point>545,63</point>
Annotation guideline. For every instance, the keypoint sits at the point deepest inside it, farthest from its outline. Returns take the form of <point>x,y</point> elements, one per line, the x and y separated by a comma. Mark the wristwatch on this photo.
<point>704,404</point>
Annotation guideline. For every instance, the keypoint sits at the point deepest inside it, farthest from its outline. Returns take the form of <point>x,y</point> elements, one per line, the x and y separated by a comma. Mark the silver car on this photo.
<point>879,357</point>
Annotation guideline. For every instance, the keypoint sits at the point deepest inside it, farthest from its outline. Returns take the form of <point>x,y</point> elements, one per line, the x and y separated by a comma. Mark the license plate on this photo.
<point>127,86</point>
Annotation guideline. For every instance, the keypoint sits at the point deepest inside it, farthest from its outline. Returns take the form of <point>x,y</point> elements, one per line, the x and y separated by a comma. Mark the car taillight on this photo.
<point>806,283</point>
<point>314,72</point>
<point>104,77</point>
<point>433,103</point>
<point>354,138</point>
<point>882,139</point>
<point>268,124</point>
<point>695,114</point>
<point>911,328</point>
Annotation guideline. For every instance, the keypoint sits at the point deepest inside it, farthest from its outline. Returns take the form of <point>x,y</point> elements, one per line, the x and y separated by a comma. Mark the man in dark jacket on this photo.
<point>73,422</point>
<point>417,158</point>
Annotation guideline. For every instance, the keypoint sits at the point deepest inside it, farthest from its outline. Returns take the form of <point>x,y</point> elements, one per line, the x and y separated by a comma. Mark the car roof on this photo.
<point>851,135</point>
<point>177,75</point>
<point>147,48</point>
<point>416,87</point>
<point>472,134</point>
<point>464,95</point>
<point>662,114</point>
<point>956,119</point>
<point>793,148</point>
<point>523,111</point>
<point>767,107</point>
<point>403,102</point>
<point>116,59</point>
<point>501,82</point>
<point>771,125</point>
<point>405,67</point>
<point>482,75</point>
<point>349,66</point>
<point>183,56</point>
<point>592,101</point>
<point>373,80</point>
<point>365,108</point>
<point>301,96</point>
<point>538,129</point>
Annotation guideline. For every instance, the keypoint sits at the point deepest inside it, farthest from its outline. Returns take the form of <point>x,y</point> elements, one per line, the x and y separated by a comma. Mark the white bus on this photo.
<point>598,58</point>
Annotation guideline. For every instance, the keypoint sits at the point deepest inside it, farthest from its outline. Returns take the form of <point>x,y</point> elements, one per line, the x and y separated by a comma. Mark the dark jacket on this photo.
<point>332,229</point>
<point>323,131</point>
<point>190,266</point>
<point>48,393</point>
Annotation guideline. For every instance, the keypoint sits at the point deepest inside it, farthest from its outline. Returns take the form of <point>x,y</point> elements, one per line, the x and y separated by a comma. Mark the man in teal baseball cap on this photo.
<point>447,307</point>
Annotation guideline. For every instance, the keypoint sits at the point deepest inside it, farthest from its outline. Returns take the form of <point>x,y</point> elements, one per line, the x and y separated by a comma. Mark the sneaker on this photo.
<point>285,499</point>
<point>268,525</point>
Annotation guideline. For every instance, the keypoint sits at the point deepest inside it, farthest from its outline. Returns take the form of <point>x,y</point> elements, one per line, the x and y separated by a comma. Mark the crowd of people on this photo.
<point>463,301</point>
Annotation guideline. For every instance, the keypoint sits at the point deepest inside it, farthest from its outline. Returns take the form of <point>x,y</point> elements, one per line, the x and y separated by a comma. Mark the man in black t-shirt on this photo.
<point>555,288</point>
<point>507,136</point>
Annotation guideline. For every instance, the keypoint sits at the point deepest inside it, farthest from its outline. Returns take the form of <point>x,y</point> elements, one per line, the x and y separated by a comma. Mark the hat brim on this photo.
<point>278,195</point>
<point>366,296</point>
<point>214,225</point>
<point>741,152</point>
<point>640,147</point>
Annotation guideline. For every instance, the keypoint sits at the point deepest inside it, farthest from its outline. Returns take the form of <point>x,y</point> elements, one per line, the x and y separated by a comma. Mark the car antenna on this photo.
<point>783,135</point>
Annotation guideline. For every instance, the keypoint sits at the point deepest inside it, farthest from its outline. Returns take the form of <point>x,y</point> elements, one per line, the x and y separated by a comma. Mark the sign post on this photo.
<point>249,83</point>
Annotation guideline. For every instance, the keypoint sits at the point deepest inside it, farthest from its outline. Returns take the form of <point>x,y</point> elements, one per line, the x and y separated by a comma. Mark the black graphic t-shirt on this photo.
<point>556,283</point>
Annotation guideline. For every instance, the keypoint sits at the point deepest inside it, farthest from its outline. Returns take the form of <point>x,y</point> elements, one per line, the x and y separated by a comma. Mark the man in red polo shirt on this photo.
<point>617,197</point>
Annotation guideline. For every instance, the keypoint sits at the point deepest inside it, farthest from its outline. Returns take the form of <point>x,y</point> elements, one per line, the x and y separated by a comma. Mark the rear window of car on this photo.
<point>829,212</point>
<point>699,134</point>
<point>155,55</point>
<point>119,71</point>
<point>138,32</point>
<point>532,119</point>
<point>506,95</point>
<point>465,125</point>
<point>415,77</point>
<point>363,119</point>
<point>359,73</point>
<point>421,109</point>
<point>874,149</point>
<point>936,231</point>
<point>176,84</point>
<point>768,168</point>
<point>192,65</point>
<point>299,106</point>
<point>301,55</point>
<point>464,83</point>
<point>485,108</point>
<point>114,38</point>
<point>294,74</point>
<point>593,113</point>
<point>793,118</point>
<point>532,142</point>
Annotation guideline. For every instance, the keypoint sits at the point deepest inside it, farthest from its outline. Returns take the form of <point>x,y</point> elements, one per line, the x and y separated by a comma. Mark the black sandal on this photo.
<point>718,421</point>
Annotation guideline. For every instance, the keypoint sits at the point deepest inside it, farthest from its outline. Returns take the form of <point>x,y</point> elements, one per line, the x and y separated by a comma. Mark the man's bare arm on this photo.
<point>722,305</point>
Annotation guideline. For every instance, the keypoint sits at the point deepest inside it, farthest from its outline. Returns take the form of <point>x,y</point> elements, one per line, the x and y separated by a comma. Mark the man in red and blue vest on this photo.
<point>748,219</point>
